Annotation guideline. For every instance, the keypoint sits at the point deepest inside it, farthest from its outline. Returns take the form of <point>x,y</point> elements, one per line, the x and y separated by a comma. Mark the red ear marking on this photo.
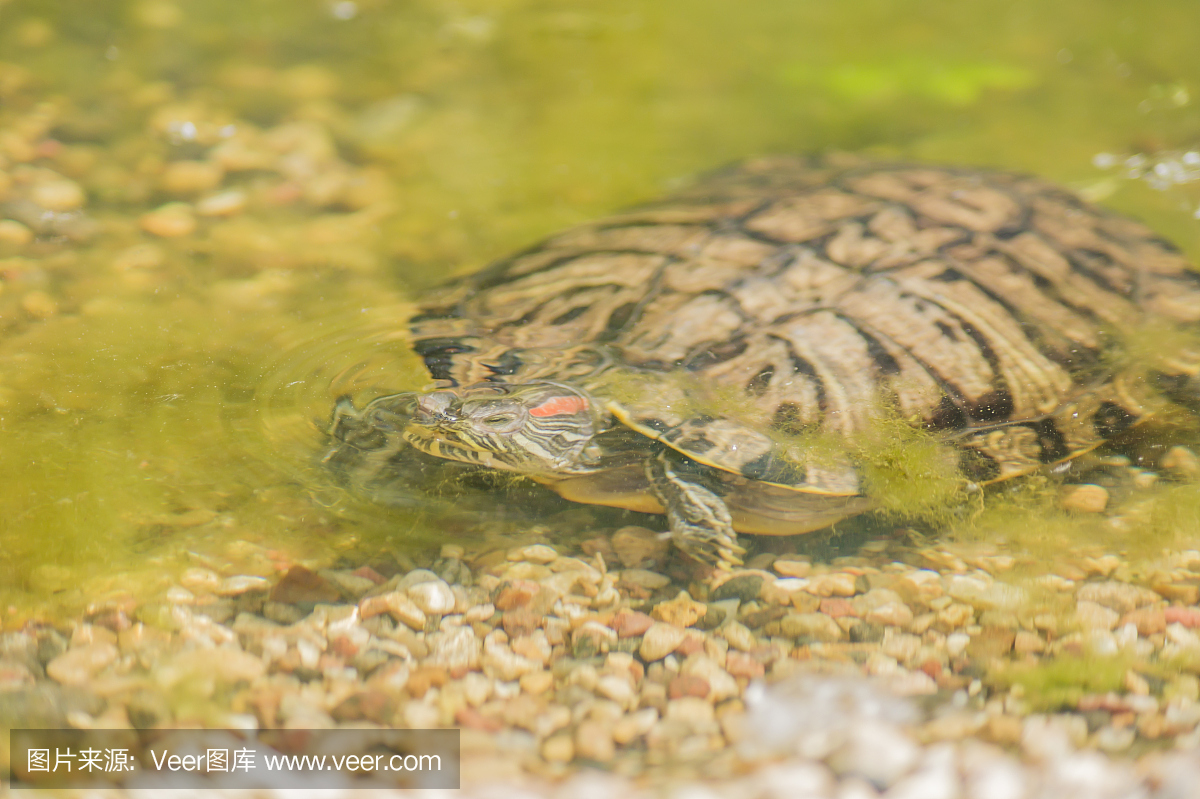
<point>559,406</point>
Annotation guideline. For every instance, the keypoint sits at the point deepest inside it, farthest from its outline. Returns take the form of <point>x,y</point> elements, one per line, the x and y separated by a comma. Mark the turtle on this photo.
<point>809,295</point>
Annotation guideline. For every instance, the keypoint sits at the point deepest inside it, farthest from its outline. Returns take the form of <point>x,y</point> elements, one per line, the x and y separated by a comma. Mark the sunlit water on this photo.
<point>162,398</point>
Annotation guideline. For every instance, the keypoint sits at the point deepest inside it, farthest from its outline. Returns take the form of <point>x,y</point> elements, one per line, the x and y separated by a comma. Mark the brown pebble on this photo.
<point>740,664</point>
<point>1084,498</point>
<point>13,232</point>
<point>630,623</point>
<point>169,221</point>
<point>520,621</point>
<point>186,178</point>
<point>1147,620</point>
<point>301,585</point>
<point>835,607</point>
<point>1188,617</point>
<point>687,685</point>
<point>370,574</point>
<point>637,545</point>
<point>690,645</point>
<point>1183,593</point>
<point>427,677</point>
<point>514,594</point>
<point>472,719</point>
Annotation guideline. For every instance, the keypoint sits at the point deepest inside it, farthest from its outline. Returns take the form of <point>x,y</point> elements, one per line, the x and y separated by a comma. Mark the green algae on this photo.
<point>138,408</point>
<point>1059,683</point>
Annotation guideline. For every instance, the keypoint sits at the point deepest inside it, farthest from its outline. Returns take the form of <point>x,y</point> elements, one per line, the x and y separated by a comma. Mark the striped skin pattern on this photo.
<point>977,304</point>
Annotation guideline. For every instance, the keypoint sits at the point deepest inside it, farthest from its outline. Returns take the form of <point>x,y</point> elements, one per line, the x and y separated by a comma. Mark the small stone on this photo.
<point>535,553</point>
<point>616,688</point>
<point>241,584</point>
<point>515,594</point>
<point>300,585</point>
<point>169,221</point>
<point>1118,596</point>
<point>1093,616</point>
<point>78,665</point>
<point>1188,617</point>
<point>792,568</point>
<point>1182,461</point>
<point>814,626</point>
<point>433,597</point>
<point>833,584</point>
<point>188,178</point>
<point>14,233</point>
<point>690,710</point>
<point>744,587</point>
<point>739,664</point>
<point>594,741</point>
<point>1114,739</point>
<point>1084,498</point>
<point>957,643</point>
<point>739,636</point>
<point>991,643</point>
<point>687,685</point>
<point>682,611</point>
<point>955,616</point>
<point>396,605</point>
<point>592,638</point>
<point>1027,642</point>
<point>558,748</point>
<point>721,684</point>
<point>631,623</point>
<point>651,581</point>
<point>895,614</point>
<point>59,194</point>
<point>1183,593</point>
<point>39,304</point>
<point>659,641</point>
<point>537,682</point>
<point>629,728</point>
<point>836,608</point>
<point>878,753</point>
<point>1147,620</point>
<point>223,203</point>
<point>637,545</point>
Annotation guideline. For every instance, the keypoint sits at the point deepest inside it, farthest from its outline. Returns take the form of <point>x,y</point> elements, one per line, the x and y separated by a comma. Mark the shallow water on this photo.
<point>162,392</point>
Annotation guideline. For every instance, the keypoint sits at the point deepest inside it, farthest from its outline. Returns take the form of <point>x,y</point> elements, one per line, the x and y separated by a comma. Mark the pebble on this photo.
<point>536,553</point>
<point>1182,461</point>
<point>637,545</point>
<point>1084,498</point>
<point>833,584</point>
<point>878,753</point>
<point>594,741</point>
<point>660,640</point>
<point>241,584</point>
<point>1118,596</point>
<point>13,232</point>
<point>682,611</point>
<point>558,749</point>
<point>78,665</point>
<point>631,623</point>
<point>739,636</point>
<point>395,604</point>
<point>169,221</point>
<point>743,587</point>
<point>222,203</point>
<point>690,710</point>
<point>616,688</point>
<point>433,597</point>
<point>59,194</point>
<point>651,581</point>
<point>188,178</point>
<point>786,567</point>
<point>816,626</point>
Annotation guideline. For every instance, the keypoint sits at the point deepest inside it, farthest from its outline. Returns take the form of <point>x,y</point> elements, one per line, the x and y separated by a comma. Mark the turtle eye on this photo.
<point>499,420</point>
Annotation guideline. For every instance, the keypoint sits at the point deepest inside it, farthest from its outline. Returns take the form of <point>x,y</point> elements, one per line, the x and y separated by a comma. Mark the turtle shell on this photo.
<point>806,293</point>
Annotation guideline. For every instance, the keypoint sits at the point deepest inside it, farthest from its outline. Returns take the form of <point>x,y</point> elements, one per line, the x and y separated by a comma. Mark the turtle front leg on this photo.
<point>700,523</point>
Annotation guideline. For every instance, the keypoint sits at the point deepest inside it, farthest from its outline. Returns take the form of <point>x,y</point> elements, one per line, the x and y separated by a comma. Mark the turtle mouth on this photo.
<point>442,442</point>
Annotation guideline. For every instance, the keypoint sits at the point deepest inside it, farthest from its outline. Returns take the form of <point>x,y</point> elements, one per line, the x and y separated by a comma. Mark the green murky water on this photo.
<point>160,377</point>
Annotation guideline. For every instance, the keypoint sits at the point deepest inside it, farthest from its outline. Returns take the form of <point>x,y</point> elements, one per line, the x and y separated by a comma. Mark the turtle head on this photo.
<point>533,428</point>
